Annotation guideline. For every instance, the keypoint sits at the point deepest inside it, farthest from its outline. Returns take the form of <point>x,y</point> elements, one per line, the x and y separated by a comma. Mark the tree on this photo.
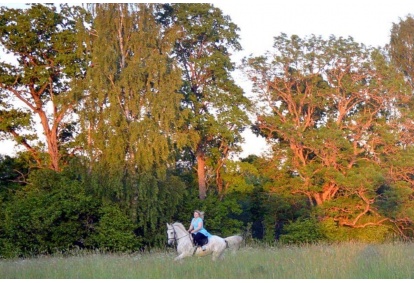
<point>133,105</point>
<point>216,105</point>
<point>331,114</point>
<point>131,115</point>
<point>400,170</point>
<point>401,47</point>
<point>44,84</point>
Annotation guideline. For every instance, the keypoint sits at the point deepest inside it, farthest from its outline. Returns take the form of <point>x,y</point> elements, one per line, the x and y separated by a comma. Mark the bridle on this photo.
<point>175,235</point>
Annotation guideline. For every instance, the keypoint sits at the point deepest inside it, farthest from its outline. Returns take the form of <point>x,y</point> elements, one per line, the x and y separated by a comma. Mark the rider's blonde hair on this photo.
<point>201,213</point>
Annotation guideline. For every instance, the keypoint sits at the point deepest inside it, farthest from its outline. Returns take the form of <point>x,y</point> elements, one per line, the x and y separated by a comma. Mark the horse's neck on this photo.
<point>181,232</point>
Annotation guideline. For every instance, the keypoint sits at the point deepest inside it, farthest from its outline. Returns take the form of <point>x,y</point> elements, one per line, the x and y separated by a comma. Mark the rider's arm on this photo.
<point>199,227</point>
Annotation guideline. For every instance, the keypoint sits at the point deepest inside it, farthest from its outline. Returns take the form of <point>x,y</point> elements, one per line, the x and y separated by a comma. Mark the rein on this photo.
<point>175,235</point>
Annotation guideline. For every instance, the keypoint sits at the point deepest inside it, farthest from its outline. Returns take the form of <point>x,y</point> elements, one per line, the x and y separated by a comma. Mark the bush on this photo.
<point>368,234</point>
<point>53,213</point>
<point>114,232</point>
<point>301,231</point>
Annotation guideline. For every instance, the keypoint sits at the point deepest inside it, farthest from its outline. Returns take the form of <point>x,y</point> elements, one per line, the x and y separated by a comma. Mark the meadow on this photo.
<point>318,261</point>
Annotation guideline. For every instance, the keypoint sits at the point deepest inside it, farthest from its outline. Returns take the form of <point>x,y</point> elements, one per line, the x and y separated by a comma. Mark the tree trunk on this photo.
<point>53,150</point>
<point>201,174</point>
<point>52,141</point>
<point>328,192</point>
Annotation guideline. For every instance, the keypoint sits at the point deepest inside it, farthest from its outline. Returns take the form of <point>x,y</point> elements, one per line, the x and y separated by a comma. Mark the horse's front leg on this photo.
<point>181,256</point>
<point>178,258</point>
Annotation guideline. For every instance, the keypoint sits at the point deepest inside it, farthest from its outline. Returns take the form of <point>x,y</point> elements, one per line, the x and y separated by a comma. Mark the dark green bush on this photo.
<point>114,232</point>
<point>52,213</point>
<point>301,231</point>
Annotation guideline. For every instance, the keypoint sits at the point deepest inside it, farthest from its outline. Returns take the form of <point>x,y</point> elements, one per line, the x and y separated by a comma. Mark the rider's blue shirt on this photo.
<point>195,222</point>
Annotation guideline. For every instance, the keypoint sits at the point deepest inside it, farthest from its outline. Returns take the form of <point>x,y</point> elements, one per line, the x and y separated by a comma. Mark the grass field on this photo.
<point>321,261</point>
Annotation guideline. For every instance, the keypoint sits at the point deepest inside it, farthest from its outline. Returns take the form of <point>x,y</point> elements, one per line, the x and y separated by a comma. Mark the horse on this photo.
<point>216,245</point>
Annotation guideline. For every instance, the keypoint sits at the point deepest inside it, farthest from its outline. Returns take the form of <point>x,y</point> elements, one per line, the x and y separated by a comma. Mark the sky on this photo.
<point>366,21</point>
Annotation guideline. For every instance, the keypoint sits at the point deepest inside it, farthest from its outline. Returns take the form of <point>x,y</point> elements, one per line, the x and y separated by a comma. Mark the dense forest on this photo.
<point>128,117</point>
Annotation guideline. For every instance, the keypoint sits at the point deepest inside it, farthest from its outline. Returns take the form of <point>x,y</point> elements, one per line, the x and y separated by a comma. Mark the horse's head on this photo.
<point>176,232</point>
<point>171,235</point>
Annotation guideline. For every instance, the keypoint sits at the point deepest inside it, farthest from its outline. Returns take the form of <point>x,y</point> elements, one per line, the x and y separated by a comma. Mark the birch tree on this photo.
<point>132,110</point>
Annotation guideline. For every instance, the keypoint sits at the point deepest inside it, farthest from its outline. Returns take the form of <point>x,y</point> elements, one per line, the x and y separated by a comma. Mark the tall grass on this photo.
<point>321,261</point>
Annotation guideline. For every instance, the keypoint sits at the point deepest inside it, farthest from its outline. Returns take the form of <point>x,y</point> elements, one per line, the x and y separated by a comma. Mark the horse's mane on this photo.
<point>180,225</point>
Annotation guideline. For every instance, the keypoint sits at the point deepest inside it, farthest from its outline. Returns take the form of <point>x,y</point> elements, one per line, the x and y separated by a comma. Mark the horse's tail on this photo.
<point>234,242</point>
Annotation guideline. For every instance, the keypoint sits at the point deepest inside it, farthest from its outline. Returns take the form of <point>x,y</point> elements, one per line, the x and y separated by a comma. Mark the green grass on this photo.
<point>321,261</point>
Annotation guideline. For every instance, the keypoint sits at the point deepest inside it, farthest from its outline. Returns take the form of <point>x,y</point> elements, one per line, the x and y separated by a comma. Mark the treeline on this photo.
<point>141,119</point>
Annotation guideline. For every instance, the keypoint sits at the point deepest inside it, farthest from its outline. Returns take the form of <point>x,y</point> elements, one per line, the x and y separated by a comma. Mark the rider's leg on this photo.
<point>196,238</point>
<point>203,241</point>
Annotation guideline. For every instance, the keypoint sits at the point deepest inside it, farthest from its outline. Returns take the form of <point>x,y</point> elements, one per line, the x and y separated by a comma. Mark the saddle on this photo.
<point>203,242</point>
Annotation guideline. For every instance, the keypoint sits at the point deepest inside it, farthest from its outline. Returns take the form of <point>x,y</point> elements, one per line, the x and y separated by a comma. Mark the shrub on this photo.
<point>114,232</point>
<point>53,213</point>
<point>301,231</point>
<point>368,234</point>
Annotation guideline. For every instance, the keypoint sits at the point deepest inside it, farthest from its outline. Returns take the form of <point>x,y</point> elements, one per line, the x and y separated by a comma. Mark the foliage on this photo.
<point>265,213</point>
<point>46,81</point>
<point>220,213</point>
<point>114,232</point>
<point>400,47</point>
<point>157,200</point>
<point>238,177</point>
<point>160,118</point>
<point>370,234</point>
<point>215,105</point>
<point>56,213</point>
<point>302,231</point>
<point>13,172</point>
<point>157,204</point>
<point>52,213</point>
<point>131,116</point>
<point>331,110</point>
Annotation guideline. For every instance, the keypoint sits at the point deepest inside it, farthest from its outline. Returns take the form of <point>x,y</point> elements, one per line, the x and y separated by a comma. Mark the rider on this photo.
<point>200,234</point>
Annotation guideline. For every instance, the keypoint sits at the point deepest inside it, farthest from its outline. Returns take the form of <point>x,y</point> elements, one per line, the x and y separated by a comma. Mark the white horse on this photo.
<point>216,245</point>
